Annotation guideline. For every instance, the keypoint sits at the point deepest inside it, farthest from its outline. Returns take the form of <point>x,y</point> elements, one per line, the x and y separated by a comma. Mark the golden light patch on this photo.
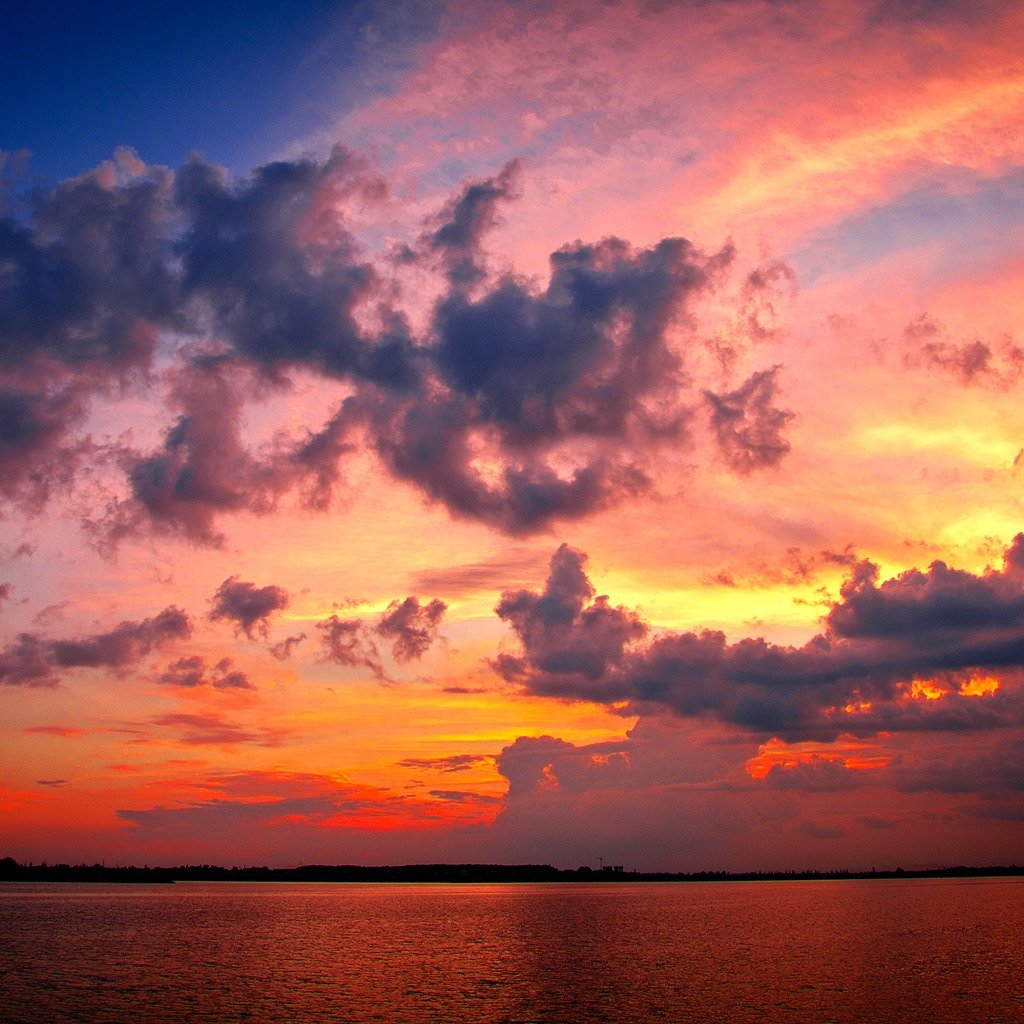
<point>923,689</point>
<point>846,752</point>
<point>979,686</point>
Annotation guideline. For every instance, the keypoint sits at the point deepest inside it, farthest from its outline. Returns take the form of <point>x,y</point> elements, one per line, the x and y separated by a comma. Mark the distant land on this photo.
<point>12,871</point>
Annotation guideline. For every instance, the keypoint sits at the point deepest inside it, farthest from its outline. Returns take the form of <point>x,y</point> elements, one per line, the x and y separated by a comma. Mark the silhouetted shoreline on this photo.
<point>12,871</point>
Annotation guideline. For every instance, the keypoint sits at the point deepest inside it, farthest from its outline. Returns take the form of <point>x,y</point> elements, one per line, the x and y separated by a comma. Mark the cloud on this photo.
<point>280,275</point>
<point>32,660</point>
<point>216,730</point>
<point>458,796</point>
<point>856,677</point>
<point>565,388</point>
<point>446,765</point>
<point>410,627</point>
<point>64,731</point>
<point>473,577</point>
<point>282,650</point>
<point>88,273</point>
<point>566,629</point>
<point>926,343</point>
<point>53,783</point>
<point>203,468</point>
<point>249,607</point>
<point>346,642</point>
<point>819,830</point>
<point>298,806</point>
<point>748,426</point>
<point>460,228</point>
<point>192,671</point>
<point>36,453</point>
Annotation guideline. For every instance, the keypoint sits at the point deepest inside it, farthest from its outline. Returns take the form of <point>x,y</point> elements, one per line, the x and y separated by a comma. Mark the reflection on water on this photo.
<point>931,950</point>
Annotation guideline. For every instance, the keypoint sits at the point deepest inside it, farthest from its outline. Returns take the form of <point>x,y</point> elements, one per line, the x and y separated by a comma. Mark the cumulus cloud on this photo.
<point>193,671</point>
<point>32,660</point>
<point>347,642</point>
<point>411,627</point>
<point>747,425</point>
<point>566,629</point>
<point>941,625</point>
<point>563,390</point>
<point>408,626</point>
<point>456,238</point>
<point>247,606</point>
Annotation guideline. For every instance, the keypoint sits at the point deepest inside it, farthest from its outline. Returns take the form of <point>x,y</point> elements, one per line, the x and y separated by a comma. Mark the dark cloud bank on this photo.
<point>564,389</point>
<point>34,660</point>
<point>940,625</point>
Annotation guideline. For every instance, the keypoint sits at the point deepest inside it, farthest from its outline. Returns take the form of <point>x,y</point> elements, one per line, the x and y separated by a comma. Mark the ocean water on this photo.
<point>846,951</point>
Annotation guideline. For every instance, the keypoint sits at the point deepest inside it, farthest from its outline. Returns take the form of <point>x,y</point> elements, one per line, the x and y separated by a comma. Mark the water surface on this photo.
<point>928,950</point>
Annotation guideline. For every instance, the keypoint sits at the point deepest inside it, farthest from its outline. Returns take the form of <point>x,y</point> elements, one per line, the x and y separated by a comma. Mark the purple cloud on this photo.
<point>247,606</point>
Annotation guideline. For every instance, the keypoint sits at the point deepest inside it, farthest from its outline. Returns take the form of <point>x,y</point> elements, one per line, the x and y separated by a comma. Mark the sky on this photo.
<point>523,432</point>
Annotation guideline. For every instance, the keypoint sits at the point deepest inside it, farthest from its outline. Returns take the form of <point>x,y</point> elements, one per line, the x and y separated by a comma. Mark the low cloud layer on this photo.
<point>939,628</point>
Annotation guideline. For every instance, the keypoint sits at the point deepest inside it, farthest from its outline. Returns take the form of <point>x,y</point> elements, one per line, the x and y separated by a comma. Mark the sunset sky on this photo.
<point>520,432</point>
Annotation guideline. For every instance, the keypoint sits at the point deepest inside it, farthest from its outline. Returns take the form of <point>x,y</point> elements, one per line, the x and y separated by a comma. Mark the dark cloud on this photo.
<point>855,677</point>
<point>53,783</point>
<point>874,822</point>
<point>36,452</point>
<point>25,663</point>
<point>433,444</point>
<point>454,763</point>
<point>456,239</point>
<point>933,607</point>
<point>282,650</point>
<point>566,629</point>
<point>589,355</point>
<point>278,272</point>
<point>458,796</point>
<point>408,626</point>
<point>817,775</point>
<point>63,731</point>
<point>193,671</point>
<point>819,830</point>
<point>203,468</point>
<point>564,390</point>
<point>926,343</point>
<point>124,644</point>
<point>32,660</point>
<point>747,425</point>
<point>247,606</point>
<point>88,274</point>
<point>347,642</point>
<point>411,627</point>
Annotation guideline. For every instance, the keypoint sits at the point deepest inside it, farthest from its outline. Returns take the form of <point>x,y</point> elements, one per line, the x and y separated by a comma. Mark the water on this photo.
<point>851,951</point>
